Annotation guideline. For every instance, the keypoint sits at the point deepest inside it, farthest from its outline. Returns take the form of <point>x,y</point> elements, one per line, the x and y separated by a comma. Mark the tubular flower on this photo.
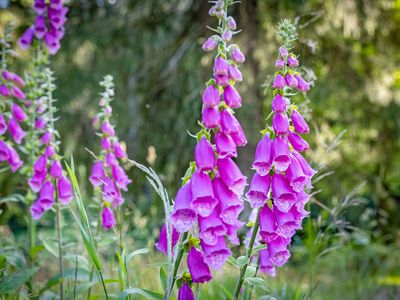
<point>283,175</point>
<point>48,26</point>
<point>213,186</point>
<point>107,174</point>
<point>48,177</point>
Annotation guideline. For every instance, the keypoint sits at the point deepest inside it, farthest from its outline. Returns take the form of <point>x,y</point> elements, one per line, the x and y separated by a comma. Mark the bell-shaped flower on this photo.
<point>299,124</point>
<point>97,174</point>
<point>211,117</point>
<point>211,96</point>
<point>26,39</point>
<point>268,224</point>
<point>203,200</point>
<point>4,151</point>
<point>216,255</point>
<point>185,292</point>
<point>280,154</point>
<point>232,97</point>
<point>226,147</point>
<point>232,176</point>
<point>237,55</point>
<point>263,157</point>
<point>279,104</point>
<point>46,195</point>
<point>279,82</point>
<point>183,216</point>
<point>36,210</point>
<point>119,151</point>
<point>211,227</point>
<point>229,123</point>
<point>204,155</point>
<point>56,169</point>
<point>15,130</point>
<point>292,61</point>
<point>198,269</point>
<point>295,175</point>
<point>302,85</point>
<point>120,177</point>
<point>221,66</point>
<point>107,218</point>
<point>279,254</point>
<point>291,81</point>
<point>3,124</point>
<point>40,27</point>
<point>280,123</point>
<point>230,204</point>
<point>65,193</point>
<point>162,244</point>
<point>235,74</point>
<point>259,190</point>
<point>283,194</point>
<point>297,142</point>
<point>265,263</point>
<point>210,44</point>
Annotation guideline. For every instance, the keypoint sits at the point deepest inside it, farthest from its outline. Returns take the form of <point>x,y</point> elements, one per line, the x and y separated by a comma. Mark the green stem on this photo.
<point>176,266</point>
<point>249,250</point>
<point>95,245</point>
<point>60,249</point>
<point>104,285</point>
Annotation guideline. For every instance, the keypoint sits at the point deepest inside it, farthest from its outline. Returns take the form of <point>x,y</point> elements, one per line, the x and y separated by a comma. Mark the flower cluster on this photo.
<point>48,25</point>
<point>11,117</point>
<point>282,173</point>
<point>48,178</point>
<point>106,172</point>
<point>211,195</point>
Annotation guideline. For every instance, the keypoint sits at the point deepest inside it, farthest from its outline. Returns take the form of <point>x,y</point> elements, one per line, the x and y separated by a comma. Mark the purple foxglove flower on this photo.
<point>280,154</point>
<point>226,147</point>
<point>55,4</point>
<point>97,174</point>
<point>56,169</point>
<point>110,191</point>
<point>299,213</point>
<point>286,223</point>
<point>235,74</point>
<point>39,6</point>
<point>210,44</point>
<point>162,244</point>
<point>229,123</point>
<point>297,142</point>
<point>299,124</point>
<point>280,123</point>
<point>18,113</point>
<point>36,210</point>
<point>302,199</point>
<point>57,19</point>
<point>203,201</point>
<point>14,161</point>
<point>204,155</point>
<point>3,124</point>
<point>108,111</point>
<point>26,39</point>
<point>310,172</point>
<point>280,63</point>
<point>15,130</point>
<point>40,27</point>
<point>216,255</point>
<point>7,75</point>
<point>302,85</point>
<point>279,82</point>
<point>231,23</point>
<point>263,158</point>
<point>292,61</point>
<point>239,138</point>
<point>295,175</point>
<point>4,151</point>
<point>211,227</point>
<point>221,66</point>
<point>46,138</point>
<point>197,267</point>
<point>107,218</point>
<point>18,80</point>
<point>231,176</point>
<point>231,232</point>
<point>267,225</point>
<point>46,195</point>
<point>107,128</point>
<point>18,93</point>
<point>185,292</point>
<point>265,263</point>
<point>237,55</point>
<point>120,177</point>
<point>4,91</point>
<point>259,190</point>
<point>119,151</point>
<point>40,123</point>
<point>290,80</point>
<point>111,159</point>
<point>279,104</point>
<point>222,80</point>
<point>36,181</point>
<point>226,36</point>
<point>52,42</point>
<point>232,97</point>
<point>50,151</point>
<point>211,117</point>
<point>283,51</point>
<point>119,200</point>
<point>183,216</point>
<point>41,164</point>
<point>283,194</point>
<point>105,143</point>
<point>64,187</point>
<point>279,254</point>
<point>231,205</point>
<point>211,96</point>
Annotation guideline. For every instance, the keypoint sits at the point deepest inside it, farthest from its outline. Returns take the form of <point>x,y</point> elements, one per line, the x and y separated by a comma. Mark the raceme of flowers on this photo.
<point>48,25</point>
<point>282,173</point>
<point>48,178</point>
<point>212,196</point>
<point>106,172</point>
<point>12,115</point>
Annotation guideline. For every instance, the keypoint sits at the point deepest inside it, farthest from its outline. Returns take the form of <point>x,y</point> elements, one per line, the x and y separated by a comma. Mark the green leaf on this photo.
<point>35,250</point>
<point>143,292</point>
<point>226,292</point>
<point>258,248</point>
<point>163,278</point>
<point>232,261</point>
<point>137,252</point>
<point>242,260</point>
<point>15,280</point>
<point>111,280</point>
<point>258,282</point>
<point>50,246</point>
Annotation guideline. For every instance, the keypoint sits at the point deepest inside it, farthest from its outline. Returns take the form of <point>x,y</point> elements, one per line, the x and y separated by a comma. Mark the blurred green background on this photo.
<point>350,50</point>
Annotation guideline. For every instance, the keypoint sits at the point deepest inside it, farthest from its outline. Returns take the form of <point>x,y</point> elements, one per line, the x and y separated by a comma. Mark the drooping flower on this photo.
<point>162,244</point>
<point>185,292</point>
<point>107,218</point>
<point>199,270</point>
